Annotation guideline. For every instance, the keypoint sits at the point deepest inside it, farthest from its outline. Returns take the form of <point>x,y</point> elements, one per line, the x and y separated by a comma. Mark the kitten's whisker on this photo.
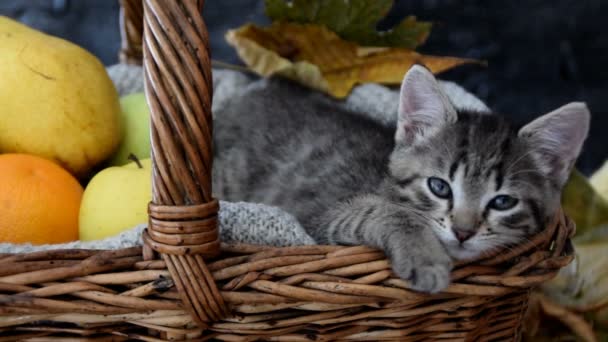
<point>526,171</point>
<point>526,239</point>
<point>447,150</point>
<point>508,247</point>
<point>490,251</point>
<point>522,182</point>
<point>518,160</point>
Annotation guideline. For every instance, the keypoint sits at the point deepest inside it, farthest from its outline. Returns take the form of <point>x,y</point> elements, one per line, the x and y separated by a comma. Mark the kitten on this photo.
<point>444,183</point>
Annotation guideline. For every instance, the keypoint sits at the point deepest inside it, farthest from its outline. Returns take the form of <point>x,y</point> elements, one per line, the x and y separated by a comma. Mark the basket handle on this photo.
<point>178,86</point>
<point>131,31</point>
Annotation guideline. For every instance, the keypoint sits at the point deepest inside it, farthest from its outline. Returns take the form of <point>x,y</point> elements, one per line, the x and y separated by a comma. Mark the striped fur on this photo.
<point>350,180</point>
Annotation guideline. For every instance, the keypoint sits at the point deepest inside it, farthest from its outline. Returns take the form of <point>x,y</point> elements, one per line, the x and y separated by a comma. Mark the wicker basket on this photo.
<point>183,284</point>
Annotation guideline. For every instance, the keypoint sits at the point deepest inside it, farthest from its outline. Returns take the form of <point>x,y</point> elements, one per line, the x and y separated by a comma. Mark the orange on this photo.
<point>39,201</point>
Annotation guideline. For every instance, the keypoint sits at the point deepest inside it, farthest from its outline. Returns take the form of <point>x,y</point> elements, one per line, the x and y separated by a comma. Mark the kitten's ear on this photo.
<point>556,139</point>
<point>423,107</point>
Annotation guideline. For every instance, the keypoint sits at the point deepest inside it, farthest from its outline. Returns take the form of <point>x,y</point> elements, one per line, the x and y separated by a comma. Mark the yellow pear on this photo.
<point>115,200</point>
<point>56,100</point>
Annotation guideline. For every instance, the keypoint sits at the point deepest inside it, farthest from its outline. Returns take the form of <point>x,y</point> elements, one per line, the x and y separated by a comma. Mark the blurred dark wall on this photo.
<point>92,24</point>
<point>541,54</point>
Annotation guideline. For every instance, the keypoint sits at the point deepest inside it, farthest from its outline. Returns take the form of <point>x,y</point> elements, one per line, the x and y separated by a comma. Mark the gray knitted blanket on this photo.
<point>251,222</point>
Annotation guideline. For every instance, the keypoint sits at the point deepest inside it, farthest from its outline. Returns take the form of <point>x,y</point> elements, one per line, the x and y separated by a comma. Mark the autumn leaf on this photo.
<point>319,58</point>
<point>353,20</point>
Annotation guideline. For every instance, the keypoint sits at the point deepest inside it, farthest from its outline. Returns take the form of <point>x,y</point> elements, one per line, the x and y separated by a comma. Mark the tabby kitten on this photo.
<point>443,183</point>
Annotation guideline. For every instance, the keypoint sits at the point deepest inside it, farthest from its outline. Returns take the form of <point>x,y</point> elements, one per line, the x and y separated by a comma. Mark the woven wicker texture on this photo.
<point>131,31</point>
<point>307,293</point>
<point>183,215</point>
<point>184,285</point>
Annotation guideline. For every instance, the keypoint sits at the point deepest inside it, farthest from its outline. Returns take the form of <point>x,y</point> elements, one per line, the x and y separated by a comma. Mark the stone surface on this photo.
<point>540,54</point>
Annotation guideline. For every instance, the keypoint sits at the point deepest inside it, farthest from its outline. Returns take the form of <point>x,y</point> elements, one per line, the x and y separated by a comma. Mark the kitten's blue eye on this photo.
<point>439,187</point>
<point>503,202</point>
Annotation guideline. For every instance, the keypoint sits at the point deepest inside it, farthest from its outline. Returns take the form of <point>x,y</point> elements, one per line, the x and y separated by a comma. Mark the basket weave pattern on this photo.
<point>184,284</point>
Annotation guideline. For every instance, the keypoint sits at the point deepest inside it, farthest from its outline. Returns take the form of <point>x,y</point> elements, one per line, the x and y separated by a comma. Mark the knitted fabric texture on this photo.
<point>251,222</point>
<point>239,222</point>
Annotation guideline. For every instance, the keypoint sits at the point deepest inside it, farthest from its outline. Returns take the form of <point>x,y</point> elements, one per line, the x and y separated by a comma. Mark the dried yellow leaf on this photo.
<point>318,58</point>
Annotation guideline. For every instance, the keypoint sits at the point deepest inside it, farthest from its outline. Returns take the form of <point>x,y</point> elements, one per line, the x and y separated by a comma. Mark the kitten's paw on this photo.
<point>430,275</point>
<point>432,279</point>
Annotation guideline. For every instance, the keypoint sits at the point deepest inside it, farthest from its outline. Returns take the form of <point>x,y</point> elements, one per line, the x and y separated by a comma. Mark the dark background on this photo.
<point>541,54</point>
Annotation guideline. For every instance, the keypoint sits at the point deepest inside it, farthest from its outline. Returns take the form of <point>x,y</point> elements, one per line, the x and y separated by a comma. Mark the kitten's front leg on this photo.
<point>415,253</point>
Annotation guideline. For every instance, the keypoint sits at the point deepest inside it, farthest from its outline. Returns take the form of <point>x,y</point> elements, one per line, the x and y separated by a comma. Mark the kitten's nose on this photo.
<point>463,235</point>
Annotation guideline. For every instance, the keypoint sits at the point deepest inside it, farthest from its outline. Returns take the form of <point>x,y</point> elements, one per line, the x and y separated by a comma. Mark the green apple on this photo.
<point>115,200</point>
<point>135,117</point>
